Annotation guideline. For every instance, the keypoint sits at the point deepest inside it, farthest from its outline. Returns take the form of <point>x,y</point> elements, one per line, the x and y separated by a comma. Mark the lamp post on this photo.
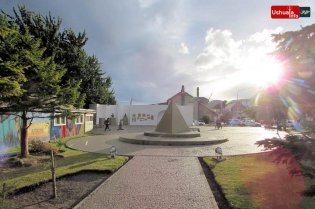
<point>237,99</point>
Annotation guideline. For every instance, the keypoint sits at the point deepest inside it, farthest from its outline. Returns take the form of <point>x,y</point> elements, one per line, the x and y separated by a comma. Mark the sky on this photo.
<point>150,48</point>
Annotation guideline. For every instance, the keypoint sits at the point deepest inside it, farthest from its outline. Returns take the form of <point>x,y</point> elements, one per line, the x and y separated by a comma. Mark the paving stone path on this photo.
<point>163,176</point>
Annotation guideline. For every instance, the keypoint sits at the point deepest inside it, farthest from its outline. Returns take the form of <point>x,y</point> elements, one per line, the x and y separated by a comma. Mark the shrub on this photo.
<point>37,146</point>
<point>206,118</point>
<point>60,144</point>
<point>47,147</point>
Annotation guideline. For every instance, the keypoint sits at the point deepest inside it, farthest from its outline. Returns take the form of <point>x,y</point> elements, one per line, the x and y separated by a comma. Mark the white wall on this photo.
<point>148,113</point>
<point>187,113</point>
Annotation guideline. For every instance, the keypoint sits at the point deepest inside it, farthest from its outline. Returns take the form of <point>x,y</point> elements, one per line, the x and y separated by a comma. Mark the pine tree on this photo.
<point>41,90</point>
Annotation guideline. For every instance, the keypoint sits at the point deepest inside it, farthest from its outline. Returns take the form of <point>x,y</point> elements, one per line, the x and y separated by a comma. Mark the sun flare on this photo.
<point>259,73</point>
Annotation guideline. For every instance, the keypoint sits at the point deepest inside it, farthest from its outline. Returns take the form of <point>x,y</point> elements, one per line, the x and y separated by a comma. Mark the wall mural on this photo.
<point>70,129</point>
<point>40,129</point>
<point>10,130</point>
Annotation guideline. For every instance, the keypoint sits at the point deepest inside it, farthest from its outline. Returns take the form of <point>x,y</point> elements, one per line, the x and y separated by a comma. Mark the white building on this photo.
<point>136,114</point>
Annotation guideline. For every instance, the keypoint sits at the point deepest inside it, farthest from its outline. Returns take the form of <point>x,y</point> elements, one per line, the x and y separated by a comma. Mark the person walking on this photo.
<point>106,122</point>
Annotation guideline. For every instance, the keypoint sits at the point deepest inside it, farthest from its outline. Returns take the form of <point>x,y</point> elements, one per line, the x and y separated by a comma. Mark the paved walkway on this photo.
<point>154,182</point>
<point>163,176</point>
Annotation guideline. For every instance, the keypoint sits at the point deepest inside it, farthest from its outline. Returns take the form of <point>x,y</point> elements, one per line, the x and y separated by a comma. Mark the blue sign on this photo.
<point>305,11</point>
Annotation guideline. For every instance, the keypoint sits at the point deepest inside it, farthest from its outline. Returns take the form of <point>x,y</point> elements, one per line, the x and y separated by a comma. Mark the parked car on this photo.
<point>250,123</point>
<point>290,123</point>
<point>198,123</point>
<point>234,122</point>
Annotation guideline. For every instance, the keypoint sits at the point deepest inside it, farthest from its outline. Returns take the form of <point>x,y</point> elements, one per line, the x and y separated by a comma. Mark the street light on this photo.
<point>237,99</point>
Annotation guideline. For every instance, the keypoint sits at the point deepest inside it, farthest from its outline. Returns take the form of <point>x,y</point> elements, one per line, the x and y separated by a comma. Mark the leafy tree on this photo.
<point>94,85</point>
<point>66,50</point>
<point>206,118</point>
<point>296,50</point>
<point>226,116</point>
<point>271,99</point>
<point>11,71</point>
<point>251,112</point>
<point>41,90</point>
<point>294,148</point>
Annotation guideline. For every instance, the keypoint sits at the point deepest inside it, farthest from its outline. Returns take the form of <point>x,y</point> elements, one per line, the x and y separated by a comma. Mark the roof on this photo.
<point>208,108</point>
<point>83,111</point>
<point>180,93</point>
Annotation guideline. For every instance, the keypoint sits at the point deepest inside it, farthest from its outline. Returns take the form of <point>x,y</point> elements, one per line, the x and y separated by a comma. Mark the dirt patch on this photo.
<point>215,187</point>
<point>70,191</point>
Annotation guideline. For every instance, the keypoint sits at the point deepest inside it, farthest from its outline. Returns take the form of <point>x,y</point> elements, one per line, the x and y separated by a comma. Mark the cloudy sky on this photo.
<point>150,48</point>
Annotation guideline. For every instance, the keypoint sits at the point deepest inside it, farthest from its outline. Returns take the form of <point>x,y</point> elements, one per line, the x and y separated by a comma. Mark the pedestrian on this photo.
<point>218,124</point>
<point>106,122</point>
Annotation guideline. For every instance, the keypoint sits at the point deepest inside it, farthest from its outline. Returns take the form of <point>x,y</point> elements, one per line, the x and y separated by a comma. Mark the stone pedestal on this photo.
<point>125,121</point>
<point>113,121</point>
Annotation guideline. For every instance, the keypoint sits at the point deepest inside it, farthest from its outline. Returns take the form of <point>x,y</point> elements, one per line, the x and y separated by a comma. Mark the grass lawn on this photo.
<point>68,162</point>
<point>256,181</point>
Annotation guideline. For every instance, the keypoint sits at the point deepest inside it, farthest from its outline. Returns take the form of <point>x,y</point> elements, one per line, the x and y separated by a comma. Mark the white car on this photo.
<point>234,122</point>
<point>250,123</point>
<point>198,123</point>
<point>291,123</point>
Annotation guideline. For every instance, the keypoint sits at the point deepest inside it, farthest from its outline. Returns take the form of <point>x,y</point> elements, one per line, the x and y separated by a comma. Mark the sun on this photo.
<point>259,72</point>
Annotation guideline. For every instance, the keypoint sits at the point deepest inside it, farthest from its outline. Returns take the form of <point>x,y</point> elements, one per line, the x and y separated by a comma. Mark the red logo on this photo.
<point>285,12</point>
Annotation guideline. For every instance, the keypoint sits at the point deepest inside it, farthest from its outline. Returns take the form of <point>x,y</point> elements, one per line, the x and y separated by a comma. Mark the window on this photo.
<point>59,121</point>
<point>89,117</point>
<point>80,119</point>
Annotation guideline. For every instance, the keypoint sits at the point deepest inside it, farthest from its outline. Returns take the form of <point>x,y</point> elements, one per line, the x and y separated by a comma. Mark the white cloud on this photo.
<point>219,47</point>
<point>228,64</point>
<point>183,49</point>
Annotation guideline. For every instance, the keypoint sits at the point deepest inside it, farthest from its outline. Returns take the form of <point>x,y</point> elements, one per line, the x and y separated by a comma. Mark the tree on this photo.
<point>271,99</point>
<point>294,148</point>
<point>296,50</point>
<point>95,85</point>
<point>11,71</point>
<point>66,50</point>
<point>226,116</point>
<point>41,90</point>
<point>206,118</point>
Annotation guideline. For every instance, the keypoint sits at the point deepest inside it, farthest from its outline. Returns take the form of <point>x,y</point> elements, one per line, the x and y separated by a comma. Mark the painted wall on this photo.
<point>40,127</point>
<point>10,126</point>
<point>70,129</point>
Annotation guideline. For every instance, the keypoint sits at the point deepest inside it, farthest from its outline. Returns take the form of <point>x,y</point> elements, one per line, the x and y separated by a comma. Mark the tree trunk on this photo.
<point>24,144</point>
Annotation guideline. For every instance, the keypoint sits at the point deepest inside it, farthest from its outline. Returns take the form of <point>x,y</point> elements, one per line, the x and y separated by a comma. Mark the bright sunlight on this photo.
<point>259,71</point>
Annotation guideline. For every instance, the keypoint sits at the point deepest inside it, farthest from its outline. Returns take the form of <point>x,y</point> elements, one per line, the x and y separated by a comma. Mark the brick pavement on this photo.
<point>163,176</point>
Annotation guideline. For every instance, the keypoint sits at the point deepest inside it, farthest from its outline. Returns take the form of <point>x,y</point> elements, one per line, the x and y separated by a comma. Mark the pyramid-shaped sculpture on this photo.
<point>172,121</point>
